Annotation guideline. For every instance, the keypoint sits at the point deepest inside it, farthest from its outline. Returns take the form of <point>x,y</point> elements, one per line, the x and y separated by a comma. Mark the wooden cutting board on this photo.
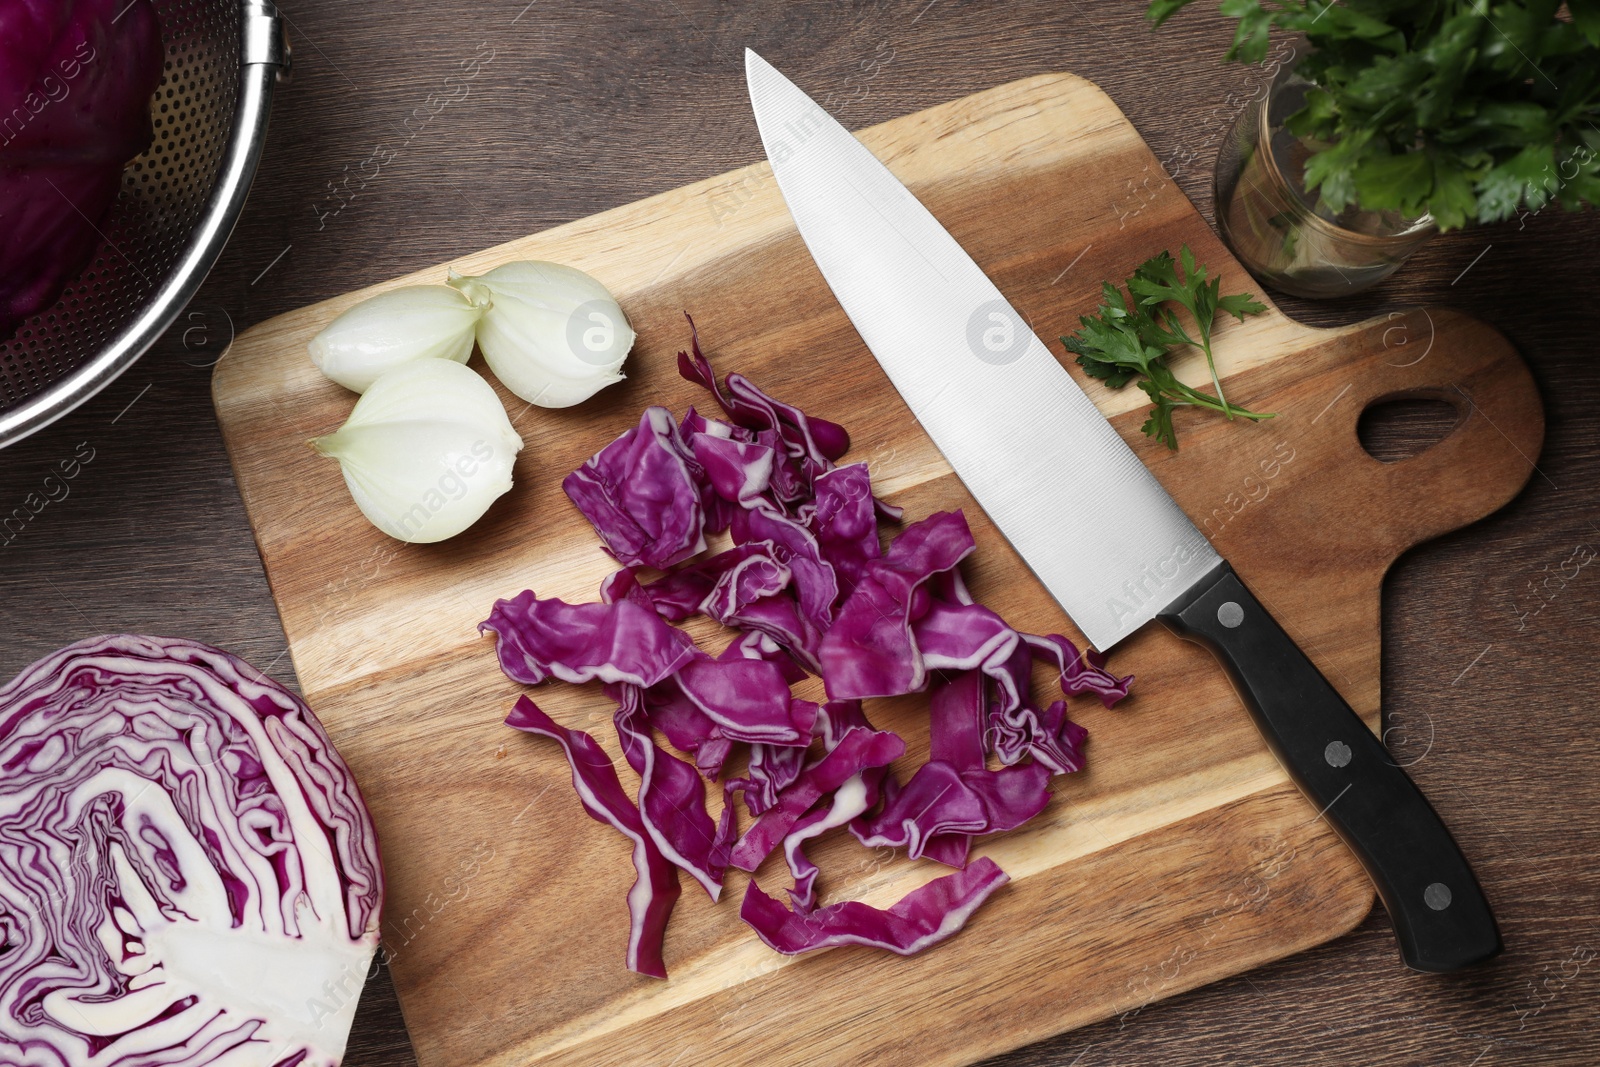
<point>1181,855</point>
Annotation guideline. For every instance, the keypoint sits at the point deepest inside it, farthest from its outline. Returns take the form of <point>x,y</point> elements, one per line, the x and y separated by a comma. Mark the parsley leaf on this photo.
<point>1130,337</point>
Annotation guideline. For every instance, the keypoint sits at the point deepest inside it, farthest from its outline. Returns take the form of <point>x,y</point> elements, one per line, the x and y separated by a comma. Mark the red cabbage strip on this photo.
<point>818,441</point>
<point>857,750</point>
<point>942,800</point>
<point>1048,736</point>
<point>739,471</point>
<point>753,644</point>
<point>793,546</point>
<point>957,721</point>
<point>687,728</point>
<point>721,585</point>
<point>187,867</point>
<point>837,718</point>
<point>1086,675</point>
<point>621,642</point>
<point>622,585</point>
<point>923,917</point>
<point>965,637</point>
<point>870,651</point>
<point>772,770</point>
<point>641,493</point>
<point>949,849</point>
<point>843,520</point>
<point>672,802</point>
<point>780,618</point>
<point>656,889</point>
<point>747,699</point>
<point>849,801</point>
<point>710,704</point>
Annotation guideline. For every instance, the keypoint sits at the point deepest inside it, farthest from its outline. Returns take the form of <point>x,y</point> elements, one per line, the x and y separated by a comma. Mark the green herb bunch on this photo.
<point>1463,110</point>
<point>1131,337</point>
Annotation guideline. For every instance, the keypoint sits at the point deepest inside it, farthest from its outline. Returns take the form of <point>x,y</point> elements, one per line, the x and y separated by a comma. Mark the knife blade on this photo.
<point>1031,448</point>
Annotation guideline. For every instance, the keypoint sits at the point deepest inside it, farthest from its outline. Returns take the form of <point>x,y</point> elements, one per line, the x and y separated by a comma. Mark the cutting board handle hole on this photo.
<point>1393,428</point>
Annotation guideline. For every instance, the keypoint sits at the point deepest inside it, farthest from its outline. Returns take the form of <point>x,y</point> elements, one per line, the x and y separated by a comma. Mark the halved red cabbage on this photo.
<point>807,587</point>
<point>923,917</point>
<point>655,889</point>
<point>188,873</point>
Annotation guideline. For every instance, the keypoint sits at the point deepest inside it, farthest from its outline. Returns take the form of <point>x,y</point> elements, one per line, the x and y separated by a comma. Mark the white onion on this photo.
<point>425,452</point>
<point>392,328</point>
<point>552,334</point>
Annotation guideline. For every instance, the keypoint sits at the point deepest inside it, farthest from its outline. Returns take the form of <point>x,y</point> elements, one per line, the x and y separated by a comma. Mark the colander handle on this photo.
<point>265,38</point>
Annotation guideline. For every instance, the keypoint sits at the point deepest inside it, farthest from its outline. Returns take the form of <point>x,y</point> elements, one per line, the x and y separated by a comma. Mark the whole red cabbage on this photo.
<point>188,875</point>
<point>75,83</point>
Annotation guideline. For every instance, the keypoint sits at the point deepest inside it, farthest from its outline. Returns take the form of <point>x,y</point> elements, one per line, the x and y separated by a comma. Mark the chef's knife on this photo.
<point>1090,520</point>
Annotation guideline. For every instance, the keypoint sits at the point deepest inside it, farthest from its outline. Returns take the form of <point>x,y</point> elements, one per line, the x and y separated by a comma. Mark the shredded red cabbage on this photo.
<point>808,588</point>
<point>619,642</point>
<point>921,918</point>
<point>655,889</point>
<point>642,494</point>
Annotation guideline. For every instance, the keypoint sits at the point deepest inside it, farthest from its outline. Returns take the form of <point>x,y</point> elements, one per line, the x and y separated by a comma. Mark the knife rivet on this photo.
<point>1337,754</point>
<point>1230,614</point>
<point>1437,896</point>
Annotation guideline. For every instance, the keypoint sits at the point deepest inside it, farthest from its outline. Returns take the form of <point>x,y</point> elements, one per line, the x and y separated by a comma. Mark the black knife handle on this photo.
<point>1440,915</point>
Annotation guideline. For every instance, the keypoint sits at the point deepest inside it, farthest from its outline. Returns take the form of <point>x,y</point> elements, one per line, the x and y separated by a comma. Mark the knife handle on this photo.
<point>1441,918</point>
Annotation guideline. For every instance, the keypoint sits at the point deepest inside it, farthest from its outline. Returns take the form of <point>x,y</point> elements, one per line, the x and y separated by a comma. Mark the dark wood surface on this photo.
<point>384,157</point>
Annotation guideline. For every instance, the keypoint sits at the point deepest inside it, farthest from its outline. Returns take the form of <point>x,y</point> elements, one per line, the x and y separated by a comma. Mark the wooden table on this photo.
<point>415,132</point>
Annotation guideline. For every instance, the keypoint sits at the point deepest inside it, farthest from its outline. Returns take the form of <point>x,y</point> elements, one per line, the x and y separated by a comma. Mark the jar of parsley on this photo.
<point>1287,235</point>
<point>1398,120</point>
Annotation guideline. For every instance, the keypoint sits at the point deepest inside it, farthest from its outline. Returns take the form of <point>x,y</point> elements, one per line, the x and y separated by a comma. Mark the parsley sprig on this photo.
<point>1132,337</point>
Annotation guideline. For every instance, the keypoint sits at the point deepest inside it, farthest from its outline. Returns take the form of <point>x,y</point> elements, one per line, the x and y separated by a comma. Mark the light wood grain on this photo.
<point>1180,856</point>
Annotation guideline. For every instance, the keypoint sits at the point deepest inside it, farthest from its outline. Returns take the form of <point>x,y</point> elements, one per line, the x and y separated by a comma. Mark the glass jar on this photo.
<point>1284,234</point>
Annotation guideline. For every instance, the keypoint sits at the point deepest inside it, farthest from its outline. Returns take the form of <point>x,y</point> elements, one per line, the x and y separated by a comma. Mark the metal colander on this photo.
<point>178,203</point>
